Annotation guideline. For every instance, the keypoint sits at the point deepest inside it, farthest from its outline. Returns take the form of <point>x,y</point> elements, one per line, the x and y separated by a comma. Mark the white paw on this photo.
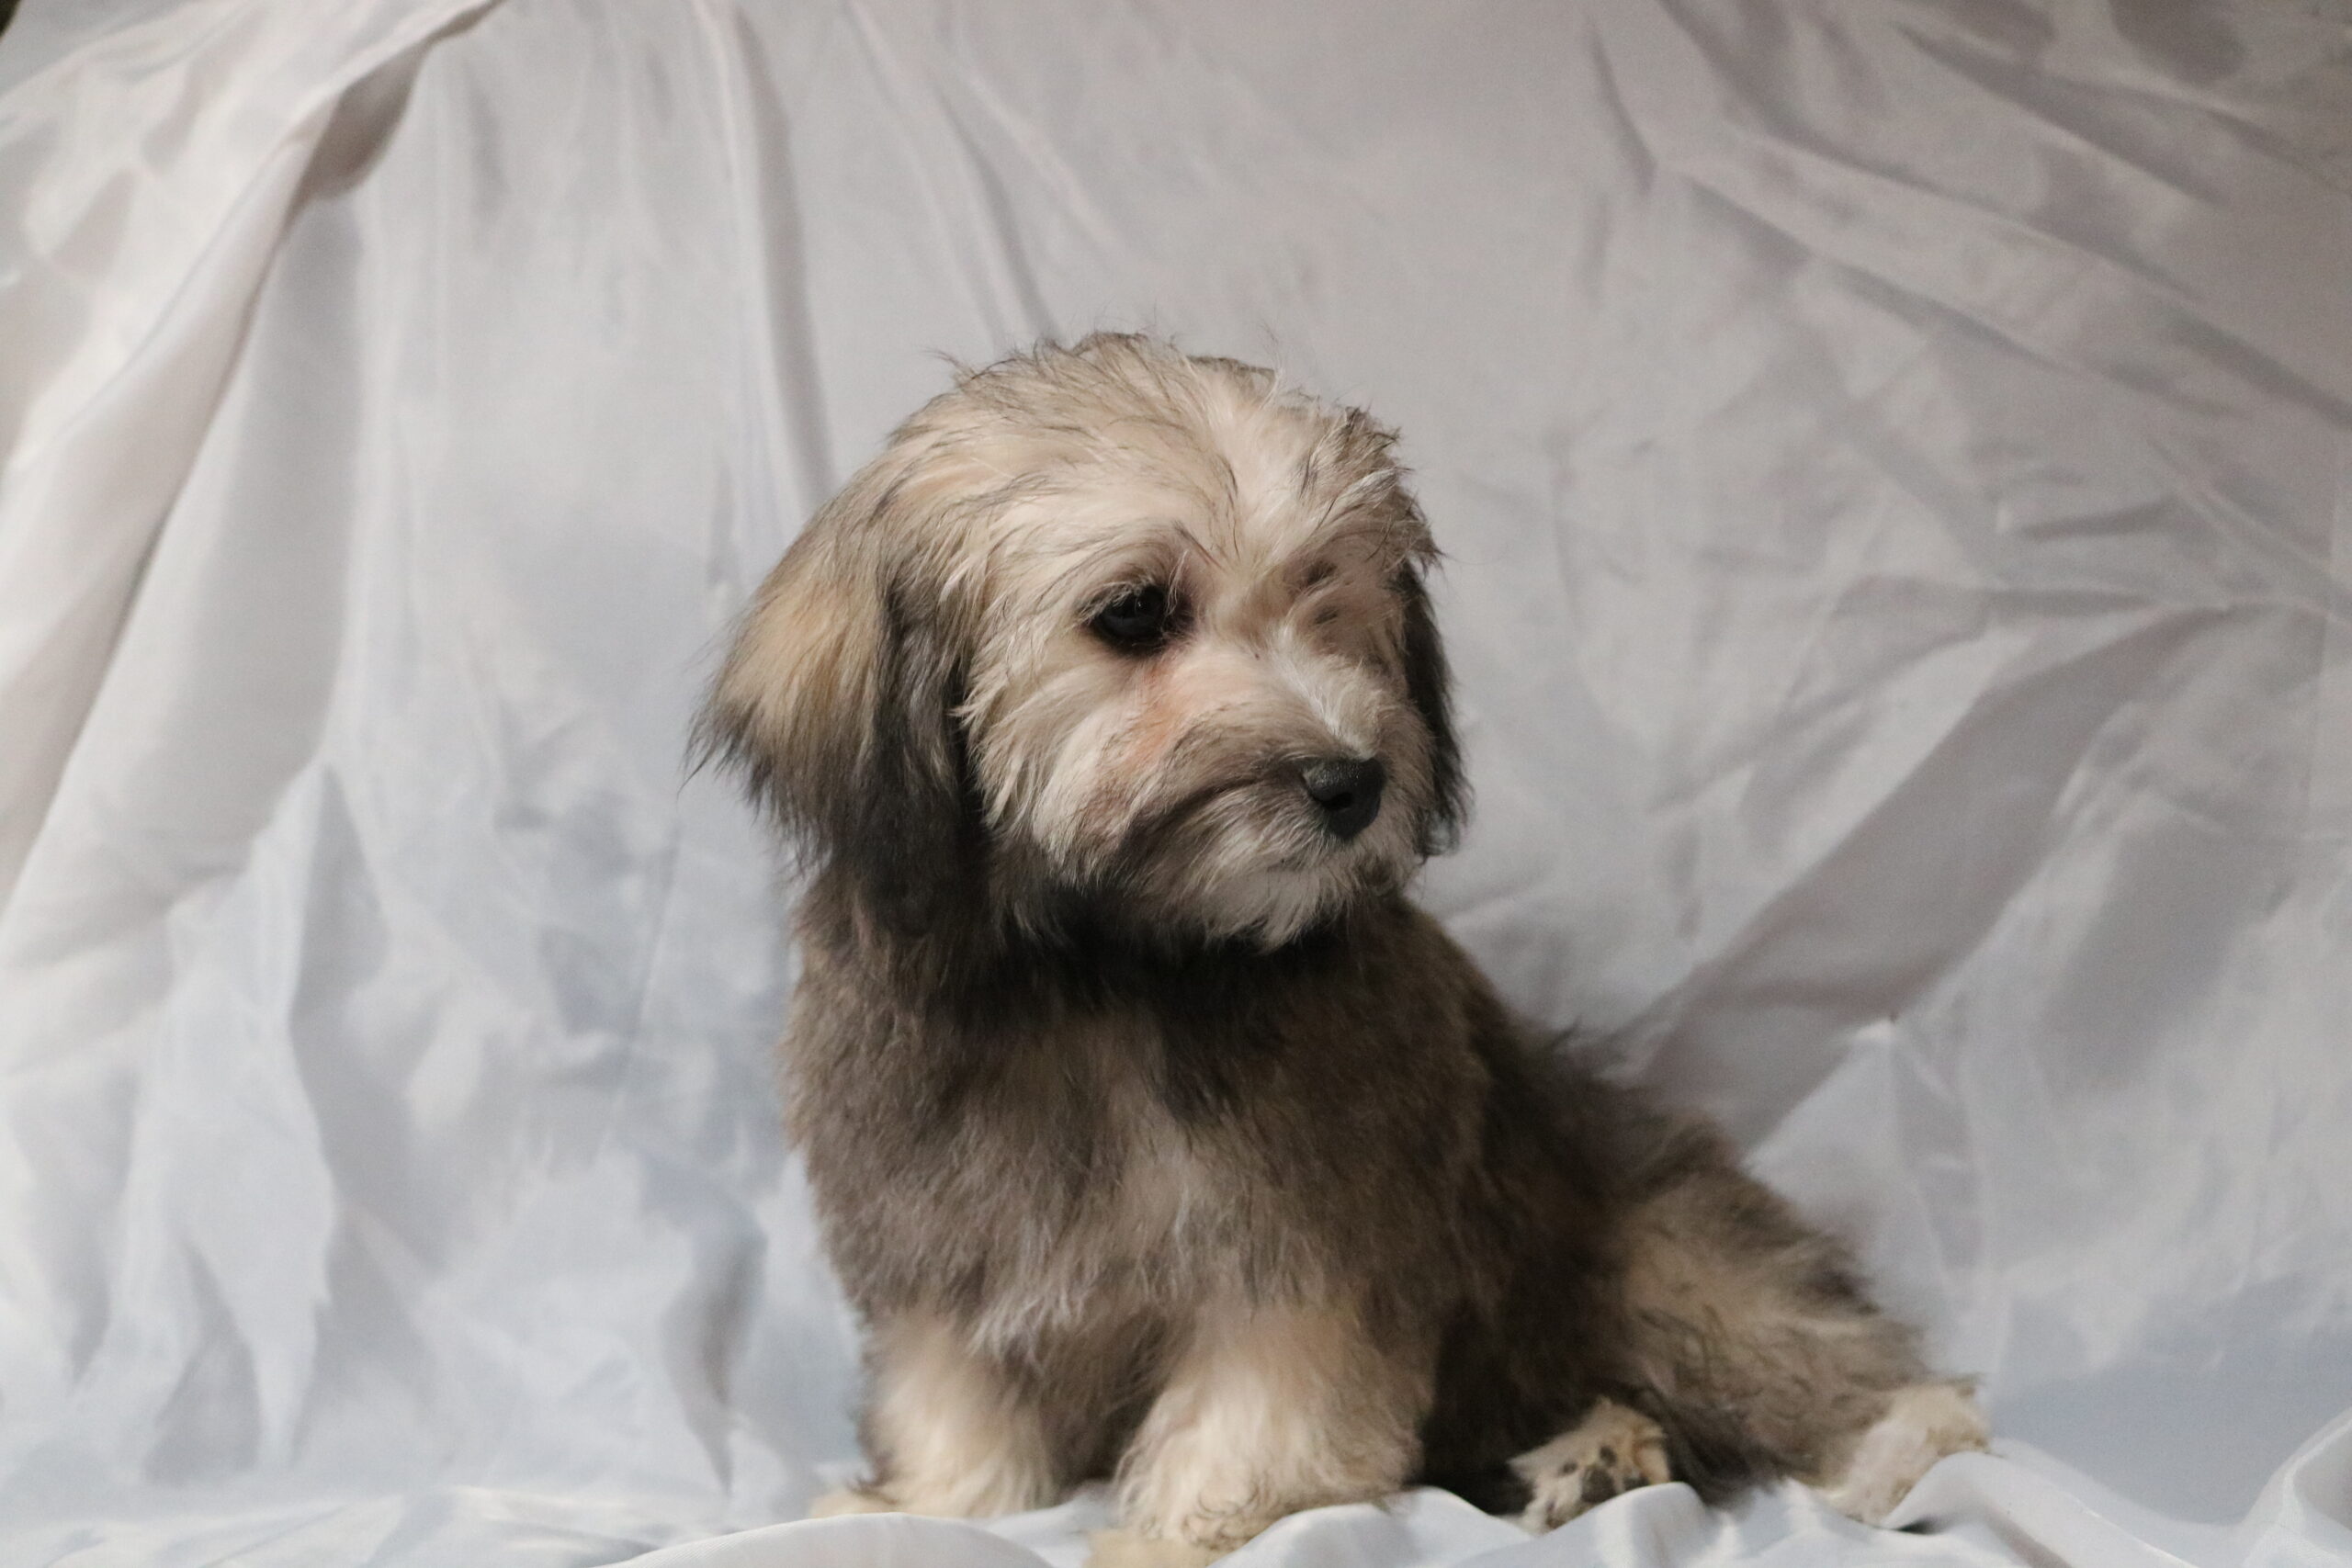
<point>1125,1549</point>
<point>1613,1449</point>
<point>1922,1423</point>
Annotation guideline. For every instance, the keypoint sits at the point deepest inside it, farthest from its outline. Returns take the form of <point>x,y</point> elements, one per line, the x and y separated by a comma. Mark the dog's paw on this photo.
<point>1125,1549</point>
<point>1613,1449</point>
<point>1922,1423</point>
<point>852,1500</point>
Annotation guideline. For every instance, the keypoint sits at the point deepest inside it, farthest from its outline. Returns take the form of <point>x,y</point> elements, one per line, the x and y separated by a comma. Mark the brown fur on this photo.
<point>1154,1134</point>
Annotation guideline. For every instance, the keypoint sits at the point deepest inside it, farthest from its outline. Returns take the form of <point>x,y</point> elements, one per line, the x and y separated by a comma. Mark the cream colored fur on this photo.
<point>1270,1410</point>
<point>1922,1425</point>
<point>962,1443</point>
<point>1613,1449</point>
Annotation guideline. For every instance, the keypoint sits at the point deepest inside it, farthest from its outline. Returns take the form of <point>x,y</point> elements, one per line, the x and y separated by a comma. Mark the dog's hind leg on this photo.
<point>1613,1449</point>
<point>1920,1425</point>
<point>1759,1352</point>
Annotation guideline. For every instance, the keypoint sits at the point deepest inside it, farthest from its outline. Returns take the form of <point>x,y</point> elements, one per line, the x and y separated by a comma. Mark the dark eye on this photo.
<point>1138,618</point>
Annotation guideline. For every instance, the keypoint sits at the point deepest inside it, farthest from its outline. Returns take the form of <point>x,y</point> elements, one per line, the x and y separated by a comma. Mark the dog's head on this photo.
<point>1111,628</point>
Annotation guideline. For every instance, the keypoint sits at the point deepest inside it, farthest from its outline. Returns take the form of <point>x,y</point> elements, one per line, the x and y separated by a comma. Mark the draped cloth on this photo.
<point>1894,463</point>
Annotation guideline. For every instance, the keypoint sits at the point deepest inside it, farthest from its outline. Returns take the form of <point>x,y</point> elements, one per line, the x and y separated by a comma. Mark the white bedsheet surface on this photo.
<point>1895,461</point>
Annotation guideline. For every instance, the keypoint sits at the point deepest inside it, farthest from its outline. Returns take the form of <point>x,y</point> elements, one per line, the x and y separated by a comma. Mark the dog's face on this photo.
<point>1114,625</point>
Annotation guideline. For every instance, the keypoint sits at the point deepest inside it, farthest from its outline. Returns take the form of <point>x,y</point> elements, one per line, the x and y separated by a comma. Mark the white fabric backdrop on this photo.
<point>1896,464</point>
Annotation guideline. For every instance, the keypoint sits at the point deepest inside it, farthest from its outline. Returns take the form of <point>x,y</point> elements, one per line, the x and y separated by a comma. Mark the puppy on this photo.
<point>1154,1133</point>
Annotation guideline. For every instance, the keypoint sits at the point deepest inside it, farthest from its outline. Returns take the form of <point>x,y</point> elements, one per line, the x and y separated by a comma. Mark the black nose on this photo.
<point>1347,791</point>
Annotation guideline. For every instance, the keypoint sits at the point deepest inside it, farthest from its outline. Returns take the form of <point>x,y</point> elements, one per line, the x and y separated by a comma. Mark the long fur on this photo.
<point>1156,1135</point>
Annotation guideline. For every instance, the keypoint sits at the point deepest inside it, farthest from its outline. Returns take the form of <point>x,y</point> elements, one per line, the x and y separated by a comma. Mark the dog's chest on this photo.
<point>1059,1186</point>
<point>1082,1125</point>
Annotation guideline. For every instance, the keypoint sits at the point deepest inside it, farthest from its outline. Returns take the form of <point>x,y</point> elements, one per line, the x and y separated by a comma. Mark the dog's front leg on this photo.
<point>949,1430</point>
<point>1268,1409</point>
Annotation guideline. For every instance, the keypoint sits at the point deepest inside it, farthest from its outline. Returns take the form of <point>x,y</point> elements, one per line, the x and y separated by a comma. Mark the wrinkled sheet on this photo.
<point>1896,464</point>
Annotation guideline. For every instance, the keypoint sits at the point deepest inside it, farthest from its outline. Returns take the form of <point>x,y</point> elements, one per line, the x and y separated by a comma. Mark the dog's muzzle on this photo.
<point>1347,789</point>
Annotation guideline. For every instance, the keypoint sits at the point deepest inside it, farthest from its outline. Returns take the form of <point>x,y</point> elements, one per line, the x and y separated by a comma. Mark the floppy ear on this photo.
<point>1429,687</point>
<point>837,702</point>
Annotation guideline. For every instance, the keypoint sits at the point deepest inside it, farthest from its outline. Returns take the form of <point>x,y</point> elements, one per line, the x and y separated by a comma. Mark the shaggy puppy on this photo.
<point>1156,1135</point>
